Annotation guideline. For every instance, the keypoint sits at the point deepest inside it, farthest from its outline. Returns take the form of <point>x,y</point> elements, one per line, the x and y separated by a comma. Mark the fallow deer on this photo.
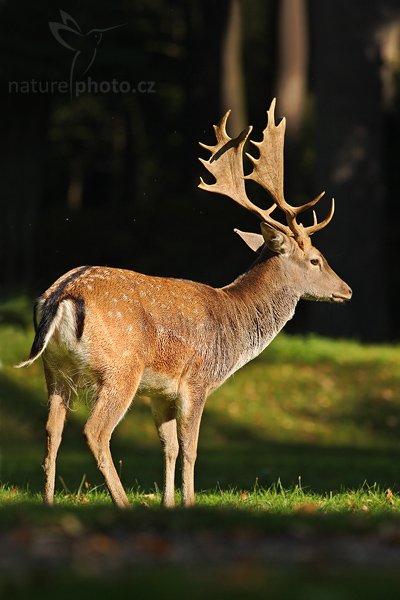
<point>175,341</point>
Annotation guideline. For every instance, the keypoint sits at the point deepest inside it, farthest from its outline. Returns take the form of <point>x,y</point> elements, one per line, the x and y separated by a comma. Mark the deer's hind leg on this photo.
<point>58,394</point>
<point>114,397</point>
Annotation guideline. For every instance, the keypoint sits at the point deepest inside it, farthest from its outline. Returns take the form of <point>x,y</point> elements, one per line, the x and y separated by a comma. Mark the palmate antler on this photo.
<point>226,165</point>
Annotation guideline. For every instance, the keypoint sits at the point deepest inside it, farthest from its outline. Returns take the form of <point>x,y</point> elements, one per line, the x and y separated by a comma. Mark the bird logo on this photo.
<point>84,45</point>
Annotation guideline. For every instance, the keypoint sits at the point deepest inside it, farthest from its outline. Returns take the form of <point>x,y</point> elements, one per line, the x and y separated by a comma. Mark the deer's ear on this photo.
<point>275,240</point>
<point>255,241</point>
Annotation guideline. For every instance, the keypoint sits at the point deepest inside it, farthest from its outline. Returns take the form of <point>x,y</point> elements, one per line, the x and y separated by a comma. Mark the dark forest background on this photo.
<point>111,178</point>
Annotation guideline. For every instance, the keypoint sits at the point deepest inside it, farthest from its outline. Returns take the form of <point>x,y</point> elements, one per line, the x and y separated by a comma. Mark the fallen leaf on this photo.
<point>100,544</point>
<point>153,544</point>
<point>306,507</point>
<point>389,496</point>
<point>71,524</point>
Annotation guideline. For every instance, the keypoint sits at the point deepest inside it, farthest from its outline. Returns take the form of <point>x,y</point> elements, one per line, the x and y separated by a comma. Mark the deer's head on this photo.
<point>290,243</point>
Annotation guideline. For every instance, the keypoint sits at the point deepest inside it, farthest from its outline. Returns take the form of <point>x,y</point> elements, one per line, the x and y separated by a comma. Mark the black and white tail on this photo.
<point>49,312</point>
<point>45,326</point>
<point>48,315</point>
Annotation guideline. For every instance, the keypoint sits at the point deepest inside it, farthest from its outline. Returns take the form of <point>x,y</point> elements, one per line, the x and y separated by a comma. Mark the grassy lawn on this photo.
<point>298,452</point>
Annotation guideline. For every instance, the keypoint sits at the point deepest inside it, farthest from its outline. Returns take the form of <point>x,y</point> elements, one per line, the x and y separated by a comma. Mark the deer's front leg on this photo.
<point>188,420</point>
<point>164,418</point>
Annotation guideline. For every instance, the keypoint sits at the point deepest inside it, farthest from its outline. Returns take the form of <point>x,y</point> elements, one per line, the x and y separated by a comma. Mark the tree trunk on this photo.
<point>291,85</point>
<point>232,94</point>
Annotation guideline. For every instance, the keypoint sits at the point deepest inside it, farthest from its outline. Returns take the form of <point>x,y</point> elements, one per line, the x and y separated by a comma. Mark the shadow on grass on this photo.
<point>225,583</point>
<point>377,413</point>
<point>374,394</point>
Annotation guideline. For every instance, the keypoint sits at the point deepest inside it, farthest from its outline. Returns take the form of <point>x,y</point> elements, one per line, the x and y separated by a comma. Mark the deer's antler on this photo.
<point>268,172</point>
<point>226,165</point>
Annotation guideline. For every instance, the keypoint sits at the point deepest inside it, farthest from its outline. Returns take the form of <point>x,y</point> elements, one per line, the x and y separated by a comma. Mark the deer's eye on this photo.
<point>314,261</point>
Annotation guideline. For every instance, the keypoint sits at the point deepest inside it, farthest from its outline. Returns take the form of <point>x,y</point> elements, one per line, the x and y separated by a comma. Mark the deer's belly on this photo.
<point>159,384</point>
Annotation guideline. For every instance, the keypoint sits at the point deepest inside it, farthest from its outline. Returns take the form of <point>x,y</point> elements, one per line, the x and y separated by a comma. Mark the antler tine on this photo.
<point>226,165</point>
<point>318,226</point>
<point>299,209</point>
<point>220,129</point>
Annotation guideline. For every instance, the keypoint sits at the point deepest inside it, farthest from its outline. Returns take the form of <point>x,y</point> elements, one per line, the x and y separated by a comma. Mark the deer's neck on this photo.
<point>260,303</point>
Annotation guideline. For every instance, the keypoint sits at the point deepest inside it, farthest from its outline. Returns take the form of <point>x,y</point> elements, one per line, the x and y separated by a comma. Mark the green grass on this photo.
<point>305,438</point>
<point>271,502</point>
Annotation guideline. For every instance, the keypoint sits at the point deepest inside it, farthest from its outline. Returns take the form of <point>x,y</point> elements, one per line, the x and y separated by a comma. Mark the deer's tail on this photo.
<point>48,315</point>
<point>45,325</point>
